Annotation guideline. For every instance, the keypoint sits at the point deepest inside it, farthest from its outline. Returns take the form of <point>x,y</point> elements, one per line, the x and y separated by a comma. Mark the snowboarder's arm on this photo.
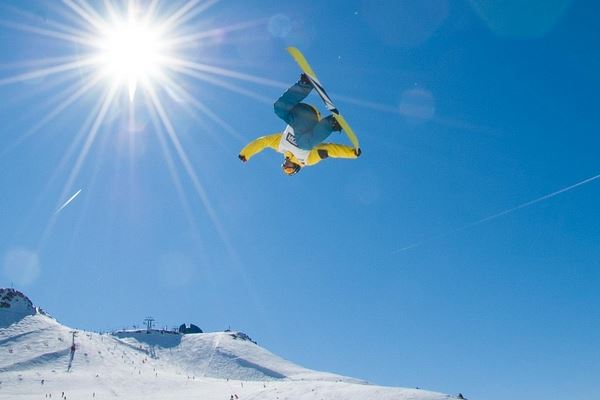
<point>326,150</point>
<point>258,145</point>
<point>290,98</point>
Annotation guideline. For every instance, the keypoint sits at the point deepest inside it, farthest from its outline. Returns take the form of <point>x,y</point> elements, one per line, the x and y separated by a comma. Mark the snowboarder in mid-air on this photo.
<point>301,142</point>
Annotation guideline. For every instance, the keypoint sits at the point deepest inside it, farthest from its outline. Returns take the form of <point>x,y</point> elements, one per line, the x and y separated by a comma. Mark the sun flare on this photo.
<point>149,46</point>
<point>131,52</point>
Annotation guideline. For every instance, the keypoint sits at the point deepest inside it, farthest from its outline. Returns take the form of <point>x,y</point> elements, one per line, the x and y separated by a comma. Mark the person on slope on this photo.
<point>301,142</point>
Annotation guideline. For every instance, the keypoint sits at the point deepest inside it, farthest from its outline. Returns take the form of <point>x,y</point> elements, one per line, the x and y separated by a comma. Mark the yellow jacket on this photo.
<point>318,153</point>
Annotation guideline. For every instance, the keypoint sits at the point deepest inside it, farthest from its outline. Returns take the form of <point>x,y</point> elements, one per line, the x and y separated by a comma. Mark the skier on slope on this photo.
<point>301,142</point>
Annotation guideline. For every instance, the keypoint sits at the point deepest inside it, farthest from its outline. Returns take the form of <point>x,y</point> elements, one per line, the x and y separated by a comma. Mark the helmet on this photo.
<point>289,167</point>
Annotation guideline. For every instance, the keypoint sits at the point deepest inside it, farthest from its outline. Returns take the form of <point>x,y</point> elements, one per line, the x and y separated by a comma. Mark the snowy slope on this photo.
<point>222,355</point>
<point>155,365</point>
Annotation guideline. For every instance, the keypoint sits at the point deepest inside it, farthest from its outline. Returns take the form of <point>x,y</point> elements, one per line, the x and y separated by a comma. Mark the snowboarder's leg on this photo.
<point>321,131</point>
<point>290,98</point>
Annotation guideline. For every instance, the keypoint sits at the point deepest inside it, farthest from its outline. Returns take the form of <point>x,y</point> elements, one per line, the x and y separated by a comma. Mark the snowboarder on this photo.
<point>301,142</point>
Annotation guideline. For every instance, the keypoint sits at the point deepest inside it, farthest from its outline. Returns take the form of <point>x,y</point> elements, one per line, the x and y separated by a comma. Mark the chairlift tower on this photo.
<point>73,348</point>
<point>74,333</point>
<point>149,322</point>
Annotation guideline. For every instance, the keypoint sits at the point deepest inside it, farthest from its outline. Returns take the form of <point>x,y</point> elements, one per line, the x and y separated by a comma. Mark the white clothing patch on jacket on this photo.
<point>288,143</point>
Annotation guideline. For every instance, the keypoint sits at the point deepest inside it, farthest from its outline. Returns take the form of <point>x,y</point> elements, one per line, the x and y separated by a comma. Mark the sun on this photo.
<point>148,46</point>
<point>130,52</point>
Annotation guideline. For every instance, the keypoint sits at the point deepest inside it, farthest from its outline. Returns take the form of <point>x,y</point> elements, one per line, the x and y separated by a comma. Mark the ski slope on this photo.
<point>161,365</point>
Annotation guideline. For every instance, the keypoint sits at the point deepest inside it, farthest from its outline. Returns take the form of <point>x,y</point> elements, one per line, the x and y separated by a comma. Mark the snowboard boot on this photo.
<point>304,79</point>
<point>335,125</point>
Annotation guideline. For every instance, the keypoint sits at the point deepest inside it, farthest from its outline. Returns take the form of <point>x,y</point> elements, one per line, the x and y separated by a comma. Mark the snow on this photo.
<point>161,365</point>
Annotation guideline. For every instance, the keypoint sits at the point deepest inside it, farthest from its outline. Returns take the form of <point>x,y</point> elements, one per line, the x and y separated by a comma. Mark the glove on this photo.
<point>358,152</point>
<point>242,158</point>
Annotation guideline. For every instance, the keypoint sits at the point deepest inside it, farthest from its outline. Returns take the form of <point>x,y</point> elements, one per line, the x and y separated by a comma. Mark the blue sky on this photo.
<point>464,110</point>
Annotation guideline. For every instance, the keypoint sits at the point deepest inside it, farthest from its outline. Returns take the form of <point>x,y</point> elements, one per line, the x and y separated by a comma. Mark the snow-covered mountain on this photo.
<point>40,357</point>
<point>14,306</point>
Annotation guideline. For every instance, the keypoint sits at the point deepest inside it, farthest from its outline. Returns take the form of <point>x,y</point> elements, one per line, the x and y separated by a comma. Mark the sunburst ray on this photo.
<point>108,98</point>
<point>43,72</point>
<point>82,89</point>
<point>184,159</point>
<point>195,66</point>
<point>172,169</point>
<point>224,84</point>
<point>202,107</point>
<point>195,37</point>
<point>97,22</point>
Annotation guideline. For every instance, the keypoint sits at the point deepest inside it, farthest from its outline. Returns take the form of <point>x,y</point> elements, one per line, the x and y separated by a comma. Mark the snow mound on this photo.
<point>14,306</point>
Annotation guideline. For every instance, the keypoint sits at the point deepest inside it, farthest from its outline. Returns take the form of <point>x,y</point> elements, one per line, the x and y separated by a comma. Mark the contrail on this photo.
<point>68,201</point>
<point>497,215</point>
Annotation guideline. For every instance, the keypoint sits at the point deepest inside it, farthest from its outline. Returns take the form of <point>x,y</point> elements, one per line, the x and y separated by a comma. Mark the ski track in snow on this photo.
<point>216,341</point>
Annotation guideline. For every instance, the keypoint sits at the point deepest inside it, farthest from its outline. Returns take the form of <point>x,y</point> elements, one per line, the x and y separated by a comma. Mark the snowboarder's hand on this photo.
<point>304,79</point>
<point>358,152</point>
<point>242,158</point>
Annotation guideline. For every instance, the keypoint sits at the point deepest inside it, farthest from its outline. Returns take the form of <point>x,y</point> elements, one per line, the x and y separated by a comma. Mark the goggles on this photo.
<point>289,167</point>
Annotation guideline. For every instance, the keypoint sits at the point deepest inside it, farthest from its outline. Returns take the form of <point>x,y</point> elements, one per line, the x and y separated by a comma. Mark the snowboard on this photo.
<point>305,67</point>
